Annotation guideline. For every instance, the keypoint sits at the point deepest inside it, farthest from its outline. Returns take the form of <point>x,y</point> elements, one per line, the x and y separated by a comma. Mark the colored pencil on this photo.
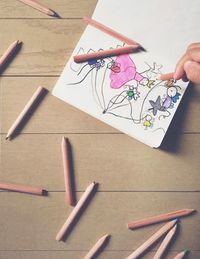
<point>167,76</point>
<point>105,53</point>
<point>67,173</point>
<point>9,52</point>
<point>21,188</point>
<point>34,4</point>
<point>25,111</point>
<point>109,31</point>
<point>75,212</point>
<point>162,231</point>
<point>181,255</point>
<point>165,243</point>
<point>96,247</point>
<point>159,218</point>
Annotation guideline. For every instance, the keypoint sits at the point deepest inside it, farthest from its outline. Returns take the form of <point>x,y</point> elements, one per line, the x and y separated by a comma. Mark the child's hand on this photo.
<point>188,67</point>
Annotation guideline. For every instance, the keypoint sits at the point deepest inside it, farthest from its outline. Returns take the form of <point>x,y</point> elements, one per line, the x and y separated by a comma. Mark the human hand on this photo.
<point>188,67</point>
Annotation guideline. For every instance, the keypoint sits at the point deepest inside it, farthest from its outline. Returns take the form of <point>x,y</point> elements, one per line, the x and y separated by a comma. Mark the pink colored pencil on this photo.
<point>67,173</point>
<point>9,52</point>
<point>75,212</point>
<point>99,244</point>
<point>181,255</point>
<point>25,111</point>
<point>21,188</point>
<point>109,31</point>
<point>165,243</point>
<point>105,53</point>
<point>167,76</point>
<point>159,218</point>
<point>161,232</point>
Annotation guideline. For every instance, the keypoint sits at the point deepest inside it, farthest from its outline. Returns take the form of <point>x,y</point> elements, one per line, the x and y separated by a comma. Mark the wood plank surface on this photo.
<point>117,161</point>
<point>34,221</point>
<point>13,9</point>
<point>63,118</point>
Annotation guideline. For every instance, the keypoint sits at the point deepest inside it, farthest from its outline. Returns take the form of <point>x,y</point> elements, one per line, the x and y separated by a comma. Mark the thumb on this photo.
<point>192,70</point>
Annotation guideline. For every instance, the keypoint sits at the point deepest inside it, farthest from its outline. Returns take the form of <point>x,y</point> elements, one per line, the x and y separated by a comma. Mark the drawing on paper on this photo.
<point>121,90</point>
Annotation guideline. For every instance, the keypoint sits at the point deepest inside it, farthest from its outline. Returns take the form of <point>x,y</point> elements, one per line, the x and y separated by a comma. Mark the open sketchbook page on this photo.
<point>125,91</point>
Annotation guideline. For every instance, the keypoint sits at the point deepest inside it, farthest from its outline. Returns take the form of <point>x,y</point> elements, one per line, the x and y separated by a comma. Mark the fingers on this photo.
<point>192,70</point>
<point>192,54</point>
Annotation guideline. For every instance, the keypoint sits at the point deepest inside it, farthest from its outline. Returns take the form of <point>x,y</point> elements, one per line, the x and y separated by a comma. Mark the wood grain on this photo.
<point>117,161</point>
<point>106,213</point>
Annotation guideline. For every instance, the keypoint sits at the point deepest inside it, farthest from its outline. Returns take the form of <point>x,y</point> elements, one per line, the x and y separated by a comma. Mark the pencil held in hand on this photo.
<point>21,188</point>
<point>34,4</point>
<point>105,53</point>
<point>25,111</point>
<point>159,218</point>
<point>9,52</point>
<point>96,247</point>
<point>75,212</point>
<point>161,232</point>
<point>67,172</point>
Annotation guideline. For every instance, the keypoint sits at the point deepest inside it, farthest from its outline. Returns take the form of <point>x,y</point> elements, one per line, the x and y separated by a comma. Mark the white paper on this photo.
<point>125,91</point>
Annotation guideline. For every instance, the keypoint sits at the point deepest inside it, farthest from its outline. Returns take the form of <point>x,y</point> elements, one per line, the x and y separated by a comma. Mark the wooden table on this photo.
<point>135,180</point>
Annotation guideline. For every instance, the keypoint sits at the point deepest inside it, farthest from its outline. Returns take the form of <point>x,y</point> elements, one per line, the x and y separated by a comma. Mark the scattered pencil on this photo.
<point>67,171</point>
<point>75,211</point>
<point>38,93</point>
<point>161,232</point>
<point>106,53</point>
<point>22,188</point>
<point>167,76</point>
<point>160,218</point>
<point>40,7</point>
<point>165,243</point>
<point>110,31</point>
<point>181,255</point>
<point>9,52</point>
<point>97,247</point>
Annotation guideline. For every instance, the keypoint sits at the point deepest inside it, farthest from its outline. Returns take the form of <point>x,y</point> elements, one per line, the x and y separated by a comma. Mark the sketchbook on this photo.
<point>125,91</point>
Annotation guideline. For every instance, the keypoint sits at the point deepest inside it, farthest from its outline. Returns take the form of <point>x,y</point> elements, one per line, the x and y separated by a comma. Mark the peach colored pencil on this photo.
<point>165,243</point>
<point>159,218</point>
<point>96,247</point>
<point>75,212</point>
<point>109,31</point>
<point>34,4</point>
<point>21,188</point>
<point>162,231</point>
<point>25,111</point>
<point>181,255</point>
<point>9,52</point>
<point>105,53</point>
<point>167,76</point>
<point>67,173</point>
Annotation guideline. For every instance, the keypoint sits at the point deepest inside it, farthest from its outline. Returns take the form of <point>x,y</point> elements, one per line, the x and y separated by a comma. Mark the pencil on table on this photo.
<point>21,188</point>
<point>25,111</point>
<point>167,76</point>
<point>9,52</point>
<point>110,31</point>
<point>181,255</point>
<point>67,173</point>
<point>161,232</point>
<point>165,243</point>
<point>40,7</point>
<point>75,212</point>
<point>96,247</point>
<point>105,53</point>
<point>159,218</point>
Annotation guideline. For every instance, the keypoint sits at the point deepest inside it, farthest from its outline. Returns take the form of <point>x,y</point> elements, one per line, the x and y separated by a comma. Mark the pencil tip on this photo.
<point>7,138</point>
<point>186,252</point>
<point>56,15</point>
<point>44,193</point>
<point>142,48</point>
